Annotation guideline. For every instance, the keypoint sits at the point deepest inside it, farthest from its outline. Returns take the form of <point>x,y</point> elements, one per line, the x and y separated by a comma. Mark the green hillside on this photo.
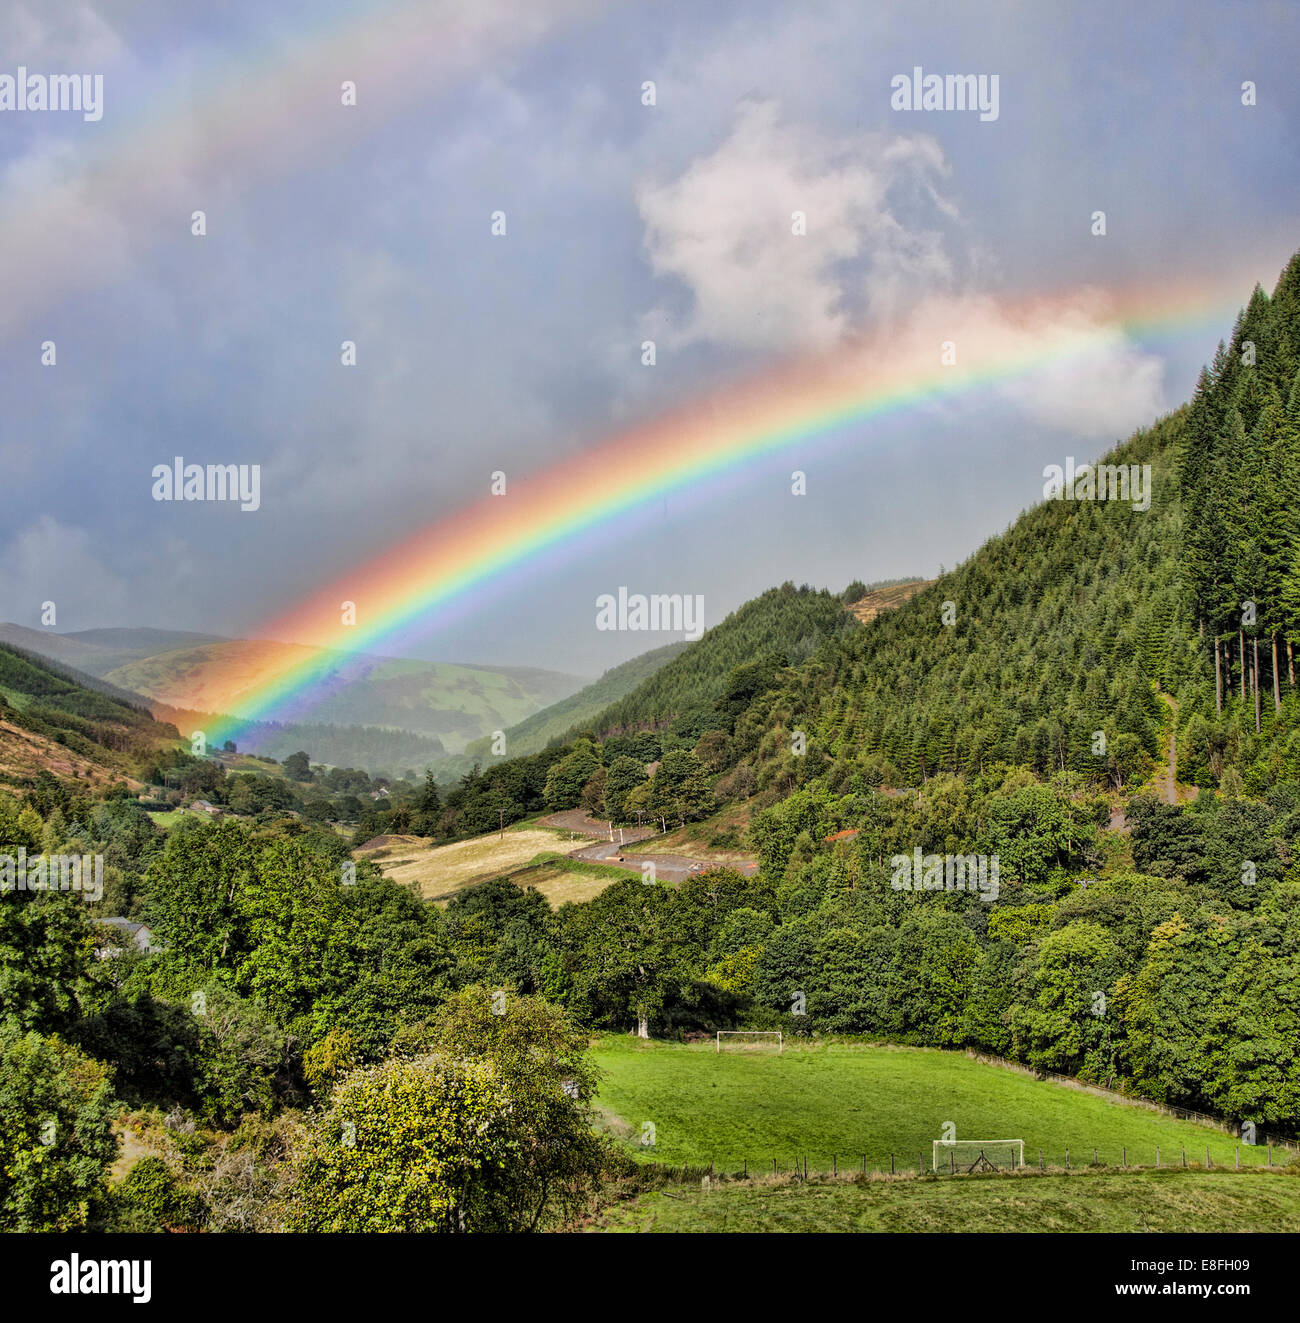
<point>53,718</point>
<point>452,703</point>
<point>377,749</point>
<point>534,733</point>
<point>783,627</point>
<point>1023,711</point>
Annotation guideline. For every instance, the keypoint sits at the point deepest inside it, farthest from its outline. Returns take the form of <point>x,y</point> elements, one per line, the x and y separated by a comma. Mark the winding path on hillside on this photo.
<point>1167,782</point>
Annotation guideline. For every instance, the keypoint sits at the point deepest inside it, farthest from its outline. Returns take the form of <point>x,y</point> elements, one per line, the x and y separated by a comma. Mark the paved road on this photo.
<point>668,867</point>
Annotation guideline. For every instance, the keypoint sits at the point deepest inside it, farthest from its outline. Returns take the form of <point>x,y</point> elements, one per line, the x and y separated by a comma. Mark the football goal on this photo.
<point>750,1040</point>
<point>967,1155</point>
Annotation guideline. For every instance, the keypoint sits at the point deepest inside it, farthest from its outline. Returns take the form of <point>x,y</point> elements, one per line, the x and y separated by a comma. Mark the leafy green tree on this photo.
<point>407,1145</point>
<point>566,778</point>
<point>153,1198</point>
<point>1065,1022</point>
<point>242,1062</point>
<point>56,1132</point>
<point>680,789</point>
<point>627,957</point>
<point>623,775</point>
<point>540,1057</point>
<point>46,946</point>
<point>194,893</point>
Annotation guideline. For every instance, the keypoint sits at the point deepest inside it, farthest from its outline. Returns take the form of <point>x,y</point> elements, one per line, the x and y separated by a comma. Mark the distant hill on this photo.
<point>98,651</point>
<point>46,643</point>
<point>374,749</point>
<point>551,723</point>
<point>449,702</point>
<point>187,676</point>
<point>119,646</point>
<point>55,719</point>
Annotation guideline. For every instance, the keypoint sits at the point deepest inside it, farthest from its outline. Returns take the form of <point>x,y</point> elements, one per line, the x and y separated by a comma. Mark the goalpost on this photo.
<point>967,1155</point>
<point>748,1034</point>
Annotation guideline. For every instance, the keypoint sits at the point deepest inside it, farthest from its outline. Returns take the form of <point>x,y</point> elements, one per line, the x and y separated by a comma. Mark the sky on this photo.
<point>625,222</point>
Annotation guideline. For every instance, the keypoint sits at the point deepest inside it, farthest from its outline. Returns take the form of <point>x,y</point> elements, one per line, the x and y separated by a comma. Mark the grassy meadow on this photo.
<point>446,869</point>
<point>841,1100</point>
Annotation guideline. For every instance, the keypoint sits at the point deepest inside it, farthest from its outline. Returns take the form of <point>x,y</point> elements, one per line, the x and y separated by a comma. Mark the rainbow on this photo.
<point>168,140</point>
<point>428,573</point>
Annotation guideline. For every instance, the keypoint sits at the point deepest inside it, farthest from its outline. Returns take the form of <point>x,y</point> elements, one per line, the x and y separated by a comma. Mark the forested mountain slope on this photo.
<point>1047,646</point>
<point>1051,632</point>
<point>1240,492</point>
<point>785,626</point>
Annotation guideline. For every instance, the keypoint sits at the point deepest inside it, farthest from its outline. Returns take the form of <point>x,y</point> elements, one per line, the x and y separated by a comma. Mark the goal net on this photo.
<point>967,1155</point>
<point>750,1040</point>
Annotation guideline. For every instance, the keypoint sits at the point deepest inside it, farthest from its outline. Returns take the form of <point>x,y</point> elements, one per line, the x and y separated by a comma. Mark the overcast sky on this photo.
<point>625,222</point>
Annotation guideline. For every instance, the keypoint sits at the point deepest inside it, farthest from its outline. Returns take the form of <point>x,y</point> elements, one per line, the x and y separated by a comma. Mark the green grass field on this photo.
<point>844,1101</point>
<point>1080,1202</point>
<point>166,819</point>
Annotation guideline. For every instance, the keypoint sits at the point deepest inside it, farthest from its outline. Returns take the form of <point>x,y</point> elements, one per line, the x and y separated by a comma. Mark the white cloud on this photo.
<point>1063,363</point>
<point>1105,393</point>
<point>724,228</point>
<point>1102,387</point>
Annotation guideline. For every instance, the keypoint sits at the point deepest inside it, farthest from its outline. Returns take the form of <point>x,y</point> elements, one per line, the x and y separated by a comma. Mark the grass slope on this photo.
<point>443,870</point>
<point>847,1099</point>
<point>1078,1202</point>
